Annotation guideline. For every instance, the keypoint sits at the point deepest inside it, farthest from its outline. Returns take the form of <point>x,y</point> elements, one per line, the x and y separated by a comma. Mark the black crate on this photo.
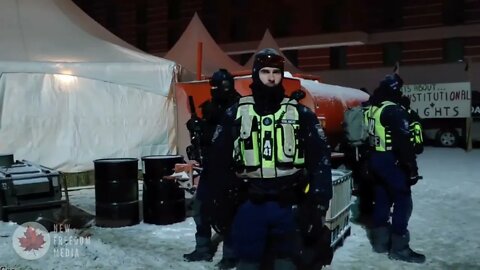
<point>25,186</point>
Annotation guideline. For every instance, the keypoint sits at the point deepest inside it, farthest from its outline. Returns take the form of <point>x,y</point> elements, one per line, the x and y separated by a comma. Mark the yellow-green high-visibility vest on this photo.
<point>268,146</point>
<point>380,138</point>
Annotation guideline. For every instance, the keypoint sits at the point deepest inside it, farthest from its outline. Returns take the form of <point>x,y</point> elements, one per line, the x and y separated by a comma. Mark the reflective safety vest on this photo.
<point>380,138</point>
<point>416,137</point>
<point>268,146</point>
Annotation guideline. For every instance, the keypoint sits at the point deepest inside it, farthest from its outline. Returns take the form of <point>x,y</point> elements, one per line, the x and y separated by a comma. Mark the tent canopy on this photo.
<point>115,102</point>
<point>57,37</point>
<point>184,52</point>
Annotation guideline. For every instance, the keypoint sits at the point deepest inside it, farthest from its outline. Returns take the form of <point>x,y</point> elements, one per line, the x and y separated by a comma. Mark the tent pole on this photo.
<point>199,60</point>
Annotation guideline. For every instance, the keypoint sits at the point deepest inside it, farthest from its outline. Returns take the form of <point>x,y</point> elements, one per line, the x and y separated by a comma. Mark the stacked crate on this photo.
<point>337,218</point>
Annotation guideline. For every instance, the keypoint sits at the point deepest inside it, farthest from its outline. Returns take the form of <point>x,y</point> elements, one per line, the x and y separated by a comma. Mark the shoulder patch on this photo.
<point>320,131</point>
<point>232,110</point>
<point>218,129</point>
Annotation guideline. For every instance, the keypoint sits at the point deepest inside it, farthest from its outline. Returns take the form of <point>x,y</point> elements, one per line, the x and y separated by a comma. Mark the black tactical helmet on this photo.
<point>222,84</point>
<point>223,80</point>
<point>267,57</point>
<point>392,81</point>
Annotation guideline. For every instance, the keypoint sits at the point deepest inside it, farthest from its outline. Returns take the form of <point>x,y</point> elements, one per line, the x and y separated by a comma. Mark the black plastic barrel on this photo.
<point>163,199</point>
<point>116,192</point>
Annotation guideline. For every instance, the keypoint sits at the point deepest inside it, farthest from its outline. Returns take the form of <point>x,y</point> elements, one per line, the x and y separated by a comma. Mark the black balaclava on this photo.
<point>389,89</point>
<point>267,99</point>
<point>223,94</point>
<point>222,87</point>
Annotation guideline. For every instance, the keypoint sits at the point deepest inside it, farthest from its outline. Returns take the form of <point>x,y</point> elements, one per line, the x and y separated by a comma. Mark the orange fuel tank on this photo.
<point>330,102</point>
<point>327,101</point>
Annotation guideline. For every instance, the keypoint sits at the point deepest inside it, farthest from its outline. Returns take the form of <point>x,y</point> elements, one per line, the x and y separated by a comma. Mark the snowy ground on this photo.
<point>444,225</point>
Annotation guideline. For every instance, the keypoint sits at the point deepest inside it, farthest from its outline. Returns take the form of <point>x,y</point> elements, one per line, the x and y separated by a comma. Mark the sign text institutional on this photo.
<point>440,100</point>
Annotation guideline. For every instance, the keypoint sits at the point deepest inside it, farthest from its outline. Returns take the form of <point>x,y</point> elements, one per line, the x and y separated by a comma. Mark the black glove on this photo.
<point>414,179</point>
<point>411,171</point>
<point>311,215</point>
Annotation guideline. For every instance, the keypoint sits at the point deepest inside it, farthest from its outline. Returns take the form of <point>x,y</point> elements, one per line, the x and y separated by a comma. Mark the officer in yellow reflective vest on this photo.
<point>393,162</point>
<point>274,146</point>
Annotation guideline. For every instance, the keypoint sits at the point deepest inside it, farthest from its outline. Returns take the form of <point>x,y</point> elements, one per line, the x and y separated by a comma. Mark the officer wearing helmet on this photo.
<point>223,95</point>
<point>393,162</point>
<point>274,146</point>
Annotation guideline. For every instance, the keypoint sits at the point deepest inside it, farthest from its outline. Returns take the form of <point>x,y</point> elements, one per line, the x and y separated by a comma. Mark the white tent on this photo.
<point>269,42</point>
<point>184,52</point>
<point>71,92</point>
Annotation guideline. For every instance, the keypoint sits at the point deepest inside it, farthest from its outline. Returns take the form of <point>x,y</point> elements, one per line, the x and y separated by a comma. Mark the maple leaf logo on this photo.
<point>32,240</point>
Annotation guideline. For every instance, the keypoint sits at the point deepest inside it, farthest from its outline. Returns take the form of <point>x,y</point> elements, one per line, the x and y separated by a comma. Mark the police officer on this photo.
<point>392,160</point>
<point>223,96</point>
<point>272,143</point>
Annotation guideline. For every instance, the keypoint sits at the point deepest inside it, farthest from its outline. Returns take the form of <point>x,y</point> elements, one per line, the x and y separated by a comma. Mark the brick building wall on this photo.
<point>155,26</point>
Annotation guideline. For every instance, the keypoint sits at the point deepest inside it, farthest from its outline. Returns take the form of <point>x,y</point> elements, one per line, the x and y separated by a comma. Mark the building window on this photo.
<point>282,23</point>
<point>392,14</point>
<point>331,17</point>
<point>292,56</point>
<point>392,53</point>
<point>174,9</point>
<point>453,12</point>
<point>244,58</point>
<point>111,20</point>
<point>453,50</point>
<point>173,35</point>
<point>338,57</point>
<point>141,20</point>
<point>238,29</point>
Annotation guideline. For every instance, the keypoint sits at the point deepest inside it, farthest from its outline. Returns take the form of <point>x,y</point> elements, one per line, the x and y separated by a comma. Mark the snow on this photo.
<point>318,89</point>
<point>444,225</point>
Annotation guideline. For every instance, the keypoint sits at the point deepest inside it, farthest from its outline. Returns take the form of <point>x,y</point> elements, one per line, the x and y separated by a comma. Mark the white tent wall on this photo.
<point>66,122</point>
<point>118,101</point>
<point>57,37</point>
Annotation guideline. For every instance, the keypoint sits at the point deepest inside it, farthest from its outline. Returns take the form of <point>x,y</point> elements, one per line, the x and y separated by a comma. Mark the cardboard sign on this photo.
<point>441,100</point>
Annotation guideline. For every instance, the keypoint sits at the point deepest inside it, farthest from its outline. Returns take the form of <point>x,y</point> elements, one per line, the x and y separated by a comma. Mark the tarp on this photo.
<point>184,52</point>
<point>71,92</point>
<point>269,42</point>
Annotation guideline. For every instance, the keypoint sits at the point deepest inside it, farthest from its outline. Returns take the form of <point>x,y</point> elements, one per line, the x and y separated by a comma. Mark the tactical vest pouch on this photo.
<point>287,134</point>
<point>248,139</point>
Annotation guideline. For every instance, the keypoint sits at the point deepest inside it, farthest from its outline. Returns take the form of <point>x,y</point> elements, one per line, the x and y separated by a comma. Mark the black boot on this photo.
<point>227,263</point>
<point>381,239</point>
<point>198,255</point>
<point>401,250</point>
<point>203,249</point>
